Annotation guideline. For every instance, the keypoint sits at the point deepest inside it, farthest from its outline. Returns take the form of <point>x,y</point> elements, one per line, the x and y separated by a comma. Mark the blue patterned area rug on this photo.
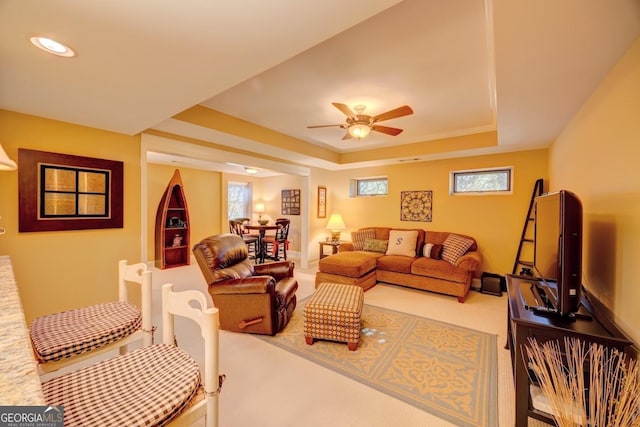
<point>446,370</point>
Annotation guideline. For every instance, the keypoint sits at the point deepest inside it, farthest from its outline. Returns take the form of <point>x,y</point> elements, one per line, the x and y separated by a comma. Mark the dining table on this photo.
<point>261,254</point>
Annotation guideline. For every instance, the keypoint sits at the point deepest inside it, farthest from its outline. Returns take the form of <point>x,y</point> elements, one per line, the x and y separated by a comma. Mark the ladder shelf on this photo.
<point>527,238</point>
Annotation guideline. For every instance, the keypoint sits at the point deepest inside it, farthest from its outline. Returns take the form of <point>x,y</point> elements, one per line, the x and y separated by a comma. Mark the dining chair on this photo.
<point>279,243</point>
<point>246,221</point>
<point>251,240</point>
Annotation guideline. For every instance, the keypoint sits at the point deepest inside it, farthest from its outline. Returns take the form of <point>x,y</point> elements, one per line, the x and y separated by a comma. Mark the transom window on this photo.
<point>361,187</point>
<point>481,181</point>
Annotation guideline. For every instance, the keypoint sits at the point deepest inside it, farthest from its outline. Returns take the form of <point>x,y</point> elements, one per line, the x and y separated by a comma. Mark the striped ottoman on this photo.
<point>333,313</point>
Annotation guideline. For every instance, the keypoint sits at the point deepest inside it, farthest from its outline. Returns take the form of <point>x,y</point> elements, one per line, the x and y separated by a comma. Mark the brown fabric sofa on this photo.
<point>365,268</point>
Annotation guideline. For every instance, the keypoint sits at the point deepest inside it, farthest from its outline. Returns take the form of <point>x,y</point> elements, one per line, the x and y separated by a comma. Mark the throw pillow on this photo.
<point>432,250</point>
<point>454,247</point>
<point>358,238</point>
<point>375,245</point>
<point>402,242</point>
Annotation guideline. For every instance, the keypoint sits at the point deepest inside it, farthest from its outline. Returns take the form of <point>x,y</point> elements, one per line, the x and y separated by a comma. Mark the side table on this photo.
<point>334,247</point>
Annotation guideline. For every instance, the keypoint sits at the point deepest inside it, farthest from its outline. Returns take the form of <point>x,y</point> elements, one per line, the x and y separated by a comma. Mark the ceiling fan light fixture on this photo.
<point>359,131</point>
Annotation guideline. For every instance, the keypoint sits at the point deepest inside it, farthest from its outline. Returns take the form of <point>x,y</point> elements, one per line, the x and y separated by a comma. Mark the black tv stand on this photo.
<point>590,323</point>
<point>540,298</point>
<point>580,314</point>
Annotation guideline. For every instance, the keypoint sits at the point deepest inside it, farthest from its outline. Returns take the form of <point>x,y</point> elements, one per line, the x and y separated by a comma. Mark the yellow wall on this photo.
<point>495,221</point>
<point>202,189</point>
<point>596,156</point>
<point>64,269</point>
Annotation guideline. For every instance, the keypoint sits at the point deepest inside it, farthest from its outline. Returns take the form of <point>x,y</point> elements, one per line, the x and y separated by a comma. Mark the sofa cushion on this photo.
<point>402,242</point>
<point>454,247</point>
<point>375,245</point>
<point>350,264</point>
<point>359,237</point>
<point>432,250</point>
<point>438,269</point>
<point>397,263</point>
<point>440,236</point>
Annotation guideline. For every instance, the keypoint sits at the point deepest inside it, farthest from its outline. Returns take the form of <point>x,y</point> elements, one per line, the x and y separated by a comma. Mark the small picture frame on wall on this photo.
<point>416,205</point>
<point>322,201</point>
<point>290,202</point>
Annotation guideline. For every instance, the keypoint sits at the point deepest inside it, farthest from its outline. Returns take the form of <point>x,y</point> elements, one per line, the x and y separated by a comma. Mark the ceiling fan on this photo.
<point>359,125</point>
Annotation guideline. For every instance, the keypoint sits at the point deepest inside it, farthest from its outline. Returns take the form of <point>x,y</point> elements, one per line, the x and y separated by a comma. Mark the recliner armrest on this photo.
<point>278,270</point>
<point>248,285</point>
<point>286,288</point>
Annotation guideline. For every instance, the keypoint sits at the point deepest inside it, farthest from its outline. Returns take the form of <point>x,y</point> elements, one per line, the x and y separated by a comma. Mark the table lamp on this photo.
<point>260,211</point>
<point>6,164</point>
<point>335,225</point>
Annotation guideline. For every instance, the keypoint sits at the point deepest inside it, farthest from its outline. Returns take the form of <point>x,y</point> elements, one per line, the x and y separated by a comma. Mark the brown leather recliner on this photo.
<point>259,299</point>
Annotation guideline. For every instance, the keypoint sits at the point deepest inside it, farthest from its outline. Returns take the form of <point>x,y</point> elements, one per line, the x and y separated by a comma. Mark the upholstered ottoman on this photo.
<point>333,313</point>
<point>351,268</point>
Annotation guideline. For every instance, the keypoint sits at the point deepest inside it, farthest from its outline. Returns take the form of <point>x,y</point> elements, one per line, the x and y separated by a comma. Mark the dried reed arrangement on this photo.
<point>613,397</point>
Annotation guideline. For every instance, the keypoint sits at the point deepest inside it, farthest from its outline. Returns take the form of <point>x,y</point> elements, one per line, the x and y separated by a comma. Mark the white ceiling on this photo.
<point>520,67</point>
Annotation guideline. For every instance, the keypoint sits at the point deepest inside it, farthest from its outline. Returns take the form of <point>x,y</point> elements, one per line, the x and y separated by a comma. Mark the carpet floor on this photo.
<point>447,370</point>
<point>268,386</point>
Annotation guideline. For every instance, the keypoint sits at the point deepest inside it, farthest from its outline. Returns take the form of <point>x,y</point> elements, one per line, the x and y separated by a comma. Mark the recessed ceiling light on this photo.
<point>52,46</point>
<point>251,171</point>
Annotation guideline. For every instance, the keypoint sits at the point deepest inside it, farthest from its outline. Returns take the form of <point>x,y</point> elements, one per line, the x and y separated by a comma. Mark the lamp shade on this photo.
<point>335,225</point>
<point>359,131</point>
<point>260,207</point>
<point>6,163</point>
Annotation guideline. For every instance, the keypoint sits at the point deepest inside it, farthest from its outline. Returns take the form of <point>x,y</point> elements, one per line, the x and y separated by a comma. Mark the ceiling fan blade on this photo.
<point>345,109</point>
<point>323,126</point>
<point>405,110</point>
<point>387,130</point>
<point>347,136</point>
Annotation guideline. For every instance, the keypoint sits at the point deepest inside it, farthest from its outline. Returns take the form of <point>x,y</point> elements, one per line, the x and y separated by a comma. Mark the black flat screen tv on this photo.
<point>558,249</point>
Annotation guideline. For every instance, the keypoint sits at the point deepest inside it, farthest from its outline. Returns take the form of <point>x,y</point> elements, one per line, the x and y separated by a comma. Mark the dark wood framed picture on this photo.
<point>290,202</point>
<point>322,201</point>
<point>67,192</point>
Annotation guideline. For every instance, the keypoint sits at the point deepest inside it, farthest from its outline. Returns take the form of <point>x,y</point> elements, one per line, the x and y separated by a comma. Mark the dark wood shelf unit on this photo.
<point>172,227</point>
<point>523,324</point>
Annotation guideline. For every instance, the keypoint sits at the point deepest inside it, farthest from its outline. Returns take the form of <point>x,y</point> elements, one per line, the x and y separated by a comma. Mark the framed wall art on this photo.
<point>416,205</point>
<point>290,202</point>
<point>67,192</point>
<point>322,201</point>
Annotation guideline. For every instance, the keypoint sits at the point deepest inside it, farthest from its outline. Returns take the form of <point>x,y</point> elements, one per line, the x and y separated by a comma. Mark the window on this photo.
<point>360,187</point>
<point>239,200</point>
<point>481,181</point>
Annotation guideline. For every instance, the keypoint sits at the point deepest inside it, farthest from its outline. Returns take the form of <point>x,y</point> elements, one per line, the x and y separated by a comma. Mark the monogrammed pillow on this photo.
<point>402,242</point>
